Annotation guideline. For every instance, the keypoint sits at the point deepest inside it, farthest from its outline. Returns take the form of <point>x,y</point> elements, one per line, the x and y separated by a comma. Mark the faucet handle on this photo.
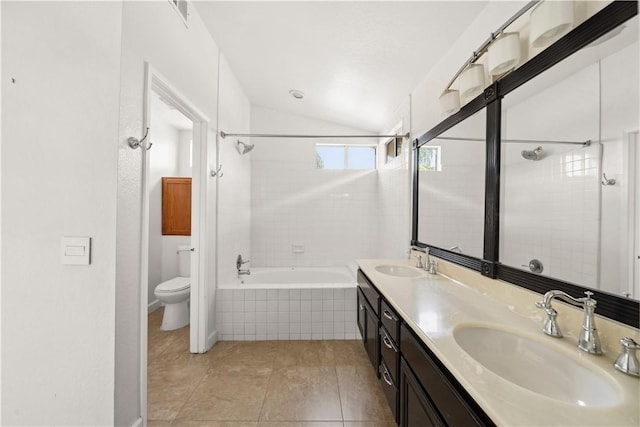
<point>627,361</point>
<point>419,262</point>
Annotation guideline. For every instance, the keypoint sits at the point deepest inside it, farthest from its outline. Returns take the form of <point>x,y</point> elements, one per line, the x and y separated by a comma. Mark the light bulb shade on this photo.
<point>449,102</point>
<point>549,21</point>
<point>471,81</point>
<point>504,53</point>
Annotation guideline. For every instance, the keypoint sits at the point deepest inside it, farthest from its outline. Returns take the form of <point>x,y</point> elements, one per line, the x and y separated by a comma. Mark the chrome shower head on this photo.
<point>245,147</point>
<point>532,154</point>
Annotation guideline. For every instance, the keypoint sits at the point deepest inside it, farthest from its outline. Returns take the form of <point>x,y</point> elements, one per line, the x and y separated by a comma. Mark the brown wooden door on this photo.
<point>176,206</point>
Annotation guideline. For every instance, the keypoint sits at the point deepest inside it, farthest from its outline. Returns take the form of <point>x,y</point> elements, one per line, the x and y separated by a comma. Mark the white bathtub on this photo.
<point>289,304</point>
<point>295,277</point>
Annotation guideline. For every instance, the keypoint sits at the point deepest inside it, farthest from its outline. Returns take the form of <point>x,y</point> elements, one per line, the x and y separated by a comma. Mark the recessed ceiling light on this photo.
<point>296,94</point>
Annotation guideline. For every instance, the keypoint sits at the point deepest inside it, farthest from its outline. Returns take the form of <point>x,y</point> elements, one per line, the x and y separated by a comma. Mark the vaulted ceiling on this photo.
<point>356,62</point>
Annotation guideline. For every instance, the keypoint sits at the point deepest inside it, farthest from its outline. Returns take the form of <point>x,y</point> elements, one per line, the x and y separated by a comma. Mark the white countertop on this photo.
<point>434,306</point>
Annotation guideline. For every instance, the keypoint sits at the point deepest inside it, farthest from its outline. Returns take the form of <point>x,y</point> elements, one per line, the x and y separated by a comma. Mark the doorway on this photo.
<point>166,110</point>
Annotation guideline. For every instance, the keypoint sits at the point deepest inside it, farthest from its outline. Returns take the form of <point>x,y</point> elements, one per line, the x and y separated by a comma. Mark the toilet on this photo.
<point>174,293</point>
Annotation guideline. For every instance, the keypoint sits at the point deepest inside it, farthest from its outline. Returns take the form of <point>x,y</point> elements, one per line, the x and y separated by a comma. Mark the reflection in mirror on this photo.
<point>451,175</point>
<point>557,206</point>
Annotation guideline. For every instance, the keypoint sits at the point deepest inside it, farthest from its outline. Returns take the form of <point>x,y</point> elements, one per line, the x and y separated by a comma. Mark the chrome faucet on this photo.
<point>627,361</point>
<point>588,340</point>
<point>239,262</point>
<point>429,265</point>
<point>419,263</point>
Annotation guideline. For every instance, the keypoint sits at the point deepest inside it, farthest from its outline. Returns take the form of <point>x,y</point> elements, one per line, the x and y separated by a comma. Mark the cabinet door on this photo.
<point>416,410</point>
<point>362,314</point>
<point>176,206</point>
<point>371,342</point>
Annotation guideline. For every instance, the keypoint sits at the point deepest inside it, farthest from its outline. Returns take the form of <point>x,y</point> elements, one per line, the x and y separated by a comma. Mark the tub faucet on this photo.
<point>239,262</point>
<point>588,340</point>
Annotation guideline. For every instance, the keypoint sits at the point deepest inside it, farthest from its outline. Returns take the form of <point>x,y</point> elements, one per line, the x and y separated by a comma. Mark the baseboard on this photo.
<point>138,423</point>
<point>212,339</point>
<point>154,306</point>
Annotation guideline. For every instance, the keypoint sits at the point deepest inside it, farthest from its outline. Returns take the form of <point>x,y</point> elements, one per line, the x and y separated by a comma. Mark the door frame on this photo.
<point>156,82</point>
<point>632,154</point>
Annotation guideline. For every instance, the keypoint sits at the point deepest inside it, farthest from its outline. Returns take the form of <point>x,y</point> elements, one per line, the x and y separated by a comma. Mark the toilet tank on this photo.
<point>184,261</point>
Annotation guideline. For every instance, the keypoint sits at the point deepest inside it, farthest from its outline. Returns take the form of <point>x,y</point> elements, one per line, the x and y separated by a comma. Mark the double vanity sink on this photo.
<point>515,373</point>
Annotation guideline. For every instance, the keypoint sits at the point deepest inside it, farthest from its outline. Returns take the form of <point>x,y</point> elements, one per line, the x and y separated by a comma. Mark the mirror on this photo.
<point>570,210</point>
<point>451,176</point>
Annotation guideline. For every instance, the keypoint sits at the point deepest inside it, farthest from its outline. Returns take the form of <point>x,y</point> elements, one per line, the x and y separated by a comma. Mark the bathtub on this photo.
<point>289,304</point>
<point>296,277</point>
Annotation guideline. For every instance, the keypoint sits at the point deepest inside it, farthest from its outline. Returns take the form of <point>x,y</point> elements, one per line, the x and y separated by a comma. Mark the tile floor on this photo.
<point>261,383</point>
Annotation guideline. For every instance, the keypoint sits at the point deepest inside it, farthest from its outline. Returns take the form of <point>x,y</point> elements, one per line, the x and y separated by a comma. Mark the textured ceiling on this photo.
<point>356,62</point>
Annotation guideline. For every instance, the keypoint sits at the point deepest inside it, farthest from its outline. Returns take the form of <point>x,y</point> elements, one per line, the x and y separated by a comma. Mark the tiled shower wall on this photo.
<point>287,314</point>
<point>537,199</point>
<point>308,217</point>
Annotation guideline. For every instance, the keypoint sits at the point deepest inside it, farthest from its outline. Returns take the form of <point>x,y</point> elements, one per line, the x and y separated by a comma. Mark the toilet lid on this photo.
<point>174,285</point>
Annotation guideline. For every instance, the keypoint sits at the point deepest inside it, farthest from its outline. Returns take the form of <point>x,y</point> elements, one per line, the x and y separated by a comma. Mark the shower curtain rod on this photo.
<point>273,135</point>
<point>528,141</point>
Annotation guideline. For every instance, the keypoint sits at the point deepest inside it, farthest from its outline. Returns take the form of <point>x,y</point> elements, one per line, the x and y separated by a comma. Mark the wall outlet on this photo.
<point>297,249</point>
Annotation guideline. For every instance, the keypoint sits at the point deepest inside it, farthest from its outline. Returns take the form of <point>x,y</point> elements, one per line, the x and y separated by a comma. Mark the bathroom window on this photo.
<point>429,159</point>
<point>345,156</point>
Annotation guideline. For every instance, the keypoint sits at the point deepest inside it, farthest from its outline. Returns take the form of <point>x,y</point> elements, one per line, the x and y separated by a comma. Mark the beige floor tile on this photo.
<point>184,423</point>
<point>300,424</point>
<point>360,394</point>
<point>228,397</point>
<point>348,353</point>
<point>238,356</point>
<point>302,394</point>
<point>168,388</point>
<point>370,424</point>
<point>303,354</point>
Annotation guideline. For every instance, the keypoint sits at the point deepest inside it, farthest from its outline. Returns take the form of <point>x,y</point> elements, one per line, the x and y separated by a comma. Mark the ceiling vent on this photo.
<point>182,7</point>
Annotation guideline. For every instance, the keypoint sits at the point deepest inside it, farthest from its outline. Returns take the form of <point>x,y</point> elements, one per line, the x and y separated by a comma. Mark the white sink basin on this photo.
<point>537,367</point>
<point>398,270</point>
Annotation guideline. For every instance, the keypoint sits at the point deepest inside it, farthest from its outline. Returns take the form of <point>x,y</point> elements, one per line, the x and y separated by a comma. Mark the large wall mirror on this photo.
<point>559,154</point>
<point>569,209</point>
<point>451,171</point>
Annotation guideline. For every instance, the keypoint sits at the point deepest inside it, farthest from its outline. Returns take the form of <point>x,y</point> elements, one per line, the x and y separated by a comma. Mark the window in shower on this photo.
<point>429,158</point>
<point>345,156</point>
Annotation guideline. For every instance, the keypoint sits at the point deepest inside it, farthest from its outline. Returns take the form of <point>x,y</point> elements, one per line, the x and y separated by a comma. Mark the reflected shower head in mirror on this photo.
<point>532,154</point>
<point>243,148</point>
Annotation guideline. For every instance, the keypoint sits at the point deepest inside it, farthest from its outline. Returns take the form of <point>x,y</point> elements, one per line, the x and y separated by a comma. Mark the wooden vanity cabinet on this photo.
<point>440,390</point>
<point>420,391</point>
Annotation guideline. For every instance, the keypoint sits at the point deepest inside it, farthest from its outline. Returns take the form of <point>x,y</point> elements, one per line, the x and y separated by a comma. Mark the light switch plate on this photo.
<point>75,251</point>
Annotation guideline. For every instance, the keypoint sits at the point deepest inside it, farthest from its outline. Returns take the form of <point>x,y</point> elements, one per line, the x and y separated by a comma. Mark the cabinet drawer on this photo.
<point>389,352</point>
<point>390,320</point>
<point>370,293</point>
<point>454,404</point>
<point>389,388</point>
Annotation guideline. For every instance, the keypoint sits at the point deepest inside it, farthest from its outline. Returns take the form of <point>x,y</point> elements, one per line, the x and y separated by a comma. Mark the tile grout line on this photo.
<point>335,368</point>
<point>266,391</point>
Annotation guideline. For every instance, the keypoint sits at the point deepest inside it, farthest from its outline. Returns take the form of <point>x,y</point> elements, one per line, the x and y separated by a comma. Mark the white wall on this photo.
<point>234,188</point>
<point>332,213</point>
<point>620,113</point>
<point>187,57</point>
<point>59,134</point>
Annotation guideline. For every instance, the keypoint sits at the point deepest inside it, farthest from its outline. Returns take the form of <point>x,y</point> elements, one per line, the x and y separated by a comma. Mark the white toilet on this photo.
<point>174,293</point>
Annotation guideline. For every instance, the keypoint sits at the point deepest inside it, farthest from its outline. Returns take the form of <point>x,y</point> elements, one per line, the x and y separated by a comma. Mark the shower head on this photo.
<point>532,154</point>
<point>245,147</point>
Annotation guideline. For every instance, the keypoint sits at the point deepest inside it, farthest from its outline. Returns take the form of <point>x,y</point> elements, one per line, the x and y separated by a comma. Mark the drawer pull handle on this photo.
<point>388,315</point>
<point>387,377</point>
<point>386,342</point>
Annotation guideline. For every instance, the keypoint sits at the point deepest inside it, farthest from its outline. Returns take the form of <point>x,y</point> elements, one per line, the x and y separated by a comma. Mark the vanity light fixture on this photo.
<point>471,81</point>
<point>504,53</point>
<point>449,102</point>
<point>549,20</point>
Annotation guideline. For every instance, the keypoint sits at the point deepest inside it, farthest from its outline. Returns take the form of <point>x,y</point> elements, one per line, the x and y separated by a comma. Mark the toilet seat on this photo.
<point>174,285</point>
